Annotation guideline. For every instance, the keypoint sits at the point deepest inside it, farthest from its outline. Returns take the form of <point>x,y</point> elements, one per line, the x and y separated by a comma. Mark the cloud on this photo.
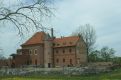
<point>104,15</point>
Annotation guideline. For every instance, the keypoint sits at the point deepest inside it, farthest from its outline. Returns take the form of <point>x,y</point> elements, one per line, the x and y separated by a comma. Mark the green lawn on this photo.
<point>115,75</point>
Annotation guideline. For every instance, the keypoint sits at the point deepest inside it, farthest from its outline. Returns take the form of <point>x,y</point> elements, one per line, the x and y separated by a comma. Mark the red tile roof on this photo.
<point>37,38</point>
<point>66,41</point>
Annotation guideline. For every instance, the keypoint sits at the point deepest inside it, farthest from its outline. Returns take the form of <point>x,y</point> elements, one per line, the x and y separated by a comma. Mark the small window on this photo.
<point>57,60</point>
<point>30,52</point>
<point>70,42</point>
<point>58,44</point>
<point>63,51</point>
<point>70,61</point>
<point>70,50</point>
<point>35,51</point>
<point>78,60</point>
<point>20,53</point>
<point>63,60</point>
<point>53,44</point>
<point>64,43</point>
<point>56,51</point>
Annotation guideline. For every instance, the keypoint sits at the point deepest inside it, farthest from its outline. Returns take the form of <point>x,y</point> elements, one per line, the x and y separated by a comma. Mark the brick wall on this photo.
<point>48,53</point>
<point>36,53</point>
<point>65,56</point>
<point>81,53</point>
<point>20,60</point>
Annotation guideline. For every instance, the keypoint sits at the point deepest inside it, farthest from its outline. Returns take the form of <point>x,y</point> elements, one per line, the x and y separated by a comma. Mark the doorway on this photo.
<point>49,65</point>
<point>36,62</point>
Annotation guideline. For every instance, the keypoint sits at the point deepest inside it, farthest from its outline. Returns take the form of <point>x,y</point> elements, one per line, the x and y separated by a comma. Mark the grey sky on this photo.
<point>104,15</point>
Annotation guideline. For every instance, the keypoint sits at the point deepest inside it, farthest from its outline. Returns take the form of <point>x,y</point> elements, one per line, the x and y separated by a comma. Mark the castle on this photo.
<point>48,51</point>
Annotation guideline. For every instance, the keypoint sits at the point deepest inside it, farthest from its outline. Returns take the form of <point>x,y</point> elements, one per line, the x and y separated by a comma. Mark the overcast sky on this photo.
<point>103,15</point>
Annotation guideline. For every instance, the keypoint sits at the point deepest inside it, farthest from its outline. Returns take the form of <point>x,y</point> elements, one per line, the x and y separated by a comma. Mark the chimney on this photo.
<point>52,35</point>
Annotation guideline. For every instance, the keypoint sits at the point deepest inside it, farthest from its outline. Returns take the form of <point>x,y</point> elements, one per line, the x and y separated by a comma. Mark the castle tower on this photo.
<point>48,50</point>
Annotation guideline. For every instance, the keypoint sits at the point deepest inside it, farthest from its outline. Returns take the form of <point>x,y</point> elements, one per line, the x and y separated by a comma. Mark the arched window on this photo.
<point>30,52</point>
<point>35,51</point>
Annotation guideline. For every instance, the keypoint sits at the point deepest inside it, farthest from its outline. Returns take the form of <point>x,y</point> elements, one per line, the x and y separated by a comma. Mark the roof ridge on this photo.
<point>66,37</point>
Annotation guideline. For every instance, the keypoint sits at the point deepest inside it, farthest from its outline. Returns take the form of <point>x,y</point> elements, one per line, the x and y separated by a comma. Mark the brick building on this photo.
<point>47,51</point>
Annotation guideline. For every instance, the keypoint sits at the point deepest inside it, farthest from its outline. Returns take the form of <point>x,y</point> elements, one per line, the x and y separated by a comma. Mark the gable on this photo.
<point>37,38</point>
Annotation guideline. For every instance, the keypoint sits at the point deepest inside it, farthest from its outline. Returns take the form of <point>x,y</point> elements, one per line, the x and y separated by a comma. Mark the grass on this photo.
<point>115,75</point>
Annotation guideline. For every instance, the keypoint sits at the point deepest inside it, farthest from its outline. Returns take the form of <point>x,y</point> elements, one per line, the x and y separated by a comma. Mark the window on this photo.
<point>63,51</point>
<point>57,60</point>
<point>56,51</point>
<point>64,43</point>
<point>53,44</point>
<point>20,53</point>
<point>58,44</point>
<point>70,42</point>
<point>30,52</point>
<point>78,60</point>
<point>70,50</point>
<point>63,60</point>
<point>70,61</point>
<point>35,51</point>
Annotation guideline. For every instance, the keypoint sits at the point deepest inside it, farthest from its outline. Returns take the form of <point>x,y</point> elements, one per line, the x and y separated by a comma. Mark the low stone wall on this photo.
<point>54,71</point>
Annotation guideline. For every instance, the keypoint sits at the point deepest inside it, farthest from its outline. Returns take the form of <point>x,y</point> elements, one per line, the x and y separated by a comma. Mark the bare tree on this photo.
<point>88,34</point>
<point>25,15</point>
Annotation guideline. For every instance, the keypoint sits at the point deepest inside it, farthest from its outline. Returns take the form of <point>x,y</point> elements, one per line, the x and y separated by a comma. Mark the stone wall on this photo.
<point>55,71</point>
